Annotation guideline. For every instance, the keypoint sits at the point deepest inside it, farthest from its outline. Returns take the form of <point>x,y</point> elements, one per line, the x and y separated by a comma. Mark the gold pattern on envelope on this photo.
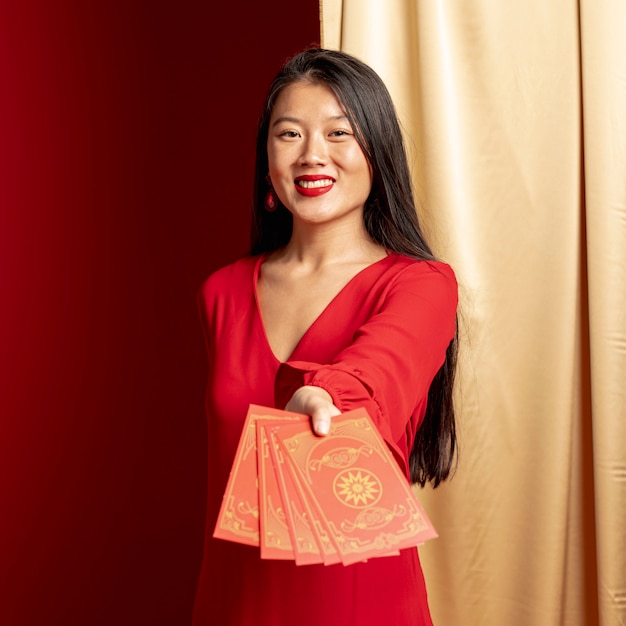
<point>235,514</point>
<point>275,517</point>
<point>340,457</point>
<point>373,518</point>
<point>357,488</point>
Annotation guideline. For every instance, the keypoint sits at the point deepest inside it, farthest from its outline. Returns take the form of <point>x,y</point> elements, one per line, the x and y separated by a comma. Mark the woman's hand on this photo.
<point>317,403</point>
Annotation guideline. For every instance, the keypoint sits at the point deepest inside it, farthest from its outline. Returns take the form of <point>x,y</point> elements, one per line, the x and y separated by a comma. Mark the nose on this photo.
<point>314,151</point>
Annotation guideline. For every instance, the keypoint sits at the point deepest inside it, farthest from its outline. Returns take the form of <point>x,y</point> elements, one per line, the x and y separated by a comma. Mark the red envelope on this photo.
<point>275,538</point>
<point>305,545</point>
<point>310,538</point>
<point>238,519</point>
<point>353,481</point>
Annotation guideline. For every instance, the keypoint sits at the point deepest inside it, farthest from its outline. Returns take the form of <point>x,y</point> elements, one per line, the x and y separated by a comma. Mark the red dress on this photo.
<point>378,344</point>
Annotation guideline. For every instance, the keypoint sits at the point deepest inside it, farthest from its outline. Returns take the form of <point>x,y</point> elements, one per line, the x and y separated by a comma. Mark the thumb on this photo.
<point>321,418</point>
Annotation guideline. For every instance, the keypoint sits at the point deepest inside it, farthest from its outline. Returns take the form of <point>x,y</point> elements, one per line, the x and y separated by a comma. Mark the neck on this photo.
<point>322,244</point>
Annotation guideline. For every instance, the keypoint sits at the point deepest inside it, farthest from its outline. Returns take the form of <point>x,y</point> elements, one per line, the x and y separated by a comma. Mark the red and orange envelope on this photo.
<point>336,499</point>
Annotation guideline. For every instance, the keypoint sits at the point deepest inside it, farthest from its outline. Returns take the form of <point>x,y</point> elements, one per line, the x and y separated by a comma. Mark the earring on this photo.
<point>271,199</point>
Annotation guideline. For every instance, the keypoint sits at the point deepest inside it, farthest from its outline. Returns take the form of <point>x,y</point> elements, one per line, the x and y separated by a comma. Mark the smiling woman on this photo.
<point>341,305</point>
<point>313,154</point>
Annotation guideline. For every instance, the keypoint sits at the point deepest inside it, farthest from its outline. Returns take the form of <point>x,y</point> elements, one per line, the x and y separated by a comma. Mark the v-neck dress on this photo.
<point>378,345</point>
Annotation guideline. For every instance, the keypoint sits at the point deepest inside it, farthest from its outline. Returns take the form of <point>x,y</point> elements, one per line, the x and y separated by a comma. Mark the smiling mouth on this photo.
<point>314,184</point>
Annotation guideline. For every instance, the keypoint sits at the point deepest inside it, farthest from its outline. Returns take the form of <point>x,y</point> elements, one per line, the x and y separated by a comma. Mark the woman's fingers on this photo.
<point>317,403</point>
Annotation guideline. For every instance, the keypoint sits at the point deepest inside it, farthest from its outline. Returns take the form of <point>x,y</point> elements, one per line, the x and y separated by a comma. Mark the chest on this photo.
<point>291,307</point>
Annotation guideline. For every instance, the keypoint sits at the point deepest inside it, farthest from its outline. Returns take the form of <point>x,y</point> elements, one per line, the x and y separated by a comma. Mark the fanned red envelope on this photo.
<point>238,519</point>
<point>338,498</point>
<point>364,501</point>
<point>307,545</point>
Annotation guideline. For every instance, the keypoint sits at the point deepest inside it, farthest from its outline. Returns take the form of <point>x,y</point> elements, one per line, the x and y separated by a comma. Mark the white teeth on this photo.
<point>312,184</point>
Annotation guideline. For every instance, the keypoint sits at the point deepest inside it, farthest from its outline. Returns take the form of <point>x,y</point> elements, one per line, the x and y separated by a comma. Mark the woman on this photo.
<point>341,305</point>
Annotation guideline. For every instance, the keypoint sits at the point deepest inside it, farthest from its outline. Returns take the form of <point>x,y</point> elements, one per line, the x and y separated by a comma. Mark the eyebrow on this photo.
<point>295,120</point>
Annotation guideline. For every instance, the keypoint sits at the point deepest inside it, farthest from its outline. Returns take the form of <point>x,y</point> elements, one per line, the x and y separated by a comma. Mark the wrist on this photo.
<point>312,393</point>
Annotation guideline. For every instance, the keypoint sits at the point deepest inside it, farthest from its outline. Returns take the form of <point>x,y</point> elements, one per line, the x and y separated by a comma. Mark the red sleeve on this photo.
<point>389,366</point>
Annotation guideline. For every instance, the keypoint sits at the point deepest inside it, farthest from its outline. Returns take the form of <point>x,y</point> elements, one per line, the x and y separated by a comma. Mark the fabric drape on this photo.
<point>515,120</point>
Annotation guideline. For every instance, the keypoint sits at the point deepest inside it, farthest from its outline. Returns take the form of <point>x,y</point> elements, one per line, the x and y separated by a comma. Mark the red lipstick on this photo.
<point>312,185</point>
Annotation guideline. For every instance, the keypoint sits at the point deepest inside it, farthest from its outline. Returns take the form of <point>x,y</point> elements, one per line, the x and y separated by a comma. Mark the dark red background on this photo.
<point>126,145</point>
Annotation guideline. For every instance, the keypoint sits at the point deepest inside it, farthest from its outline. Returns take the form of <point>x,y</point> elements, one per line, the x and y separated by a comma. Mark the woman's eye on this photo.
<point>340,133</point>
<point>288,133</point>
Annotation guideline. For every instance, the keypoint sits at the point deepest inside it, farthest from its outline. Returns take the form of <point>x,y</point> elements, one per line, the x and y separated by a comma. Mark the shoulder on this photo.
<point>229,280</point>
<point>401,263</point>
<point>407,273</point>
<point>240,271</point>
<point>424,293</point>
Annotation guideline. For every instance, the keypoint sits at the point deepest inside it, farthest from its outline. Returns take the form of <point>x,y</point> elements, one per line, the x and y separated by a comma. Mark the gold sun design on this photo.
<point>357,487</point>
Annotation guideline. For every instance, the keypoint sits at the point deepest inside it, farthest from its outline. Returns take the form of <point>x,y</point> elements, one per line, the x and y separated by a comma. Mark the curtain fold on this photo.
<point>515,120</point>
<point>603,61</point>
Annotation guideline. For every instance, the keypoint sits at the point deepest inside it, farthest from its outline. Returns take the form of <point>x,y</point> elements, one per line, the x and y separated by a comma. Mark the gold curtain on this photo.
<point>515,118</point>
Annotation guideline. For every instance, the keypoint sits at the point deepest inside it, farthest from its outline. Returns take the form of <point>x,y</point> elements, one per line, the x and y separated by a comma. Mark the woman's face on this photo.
<point>316,165</point>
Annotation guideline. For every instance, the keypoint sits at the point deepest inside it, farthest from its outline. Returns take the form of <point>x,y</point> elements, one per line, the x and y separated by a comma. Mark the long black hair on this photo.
<point>390,216</point>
